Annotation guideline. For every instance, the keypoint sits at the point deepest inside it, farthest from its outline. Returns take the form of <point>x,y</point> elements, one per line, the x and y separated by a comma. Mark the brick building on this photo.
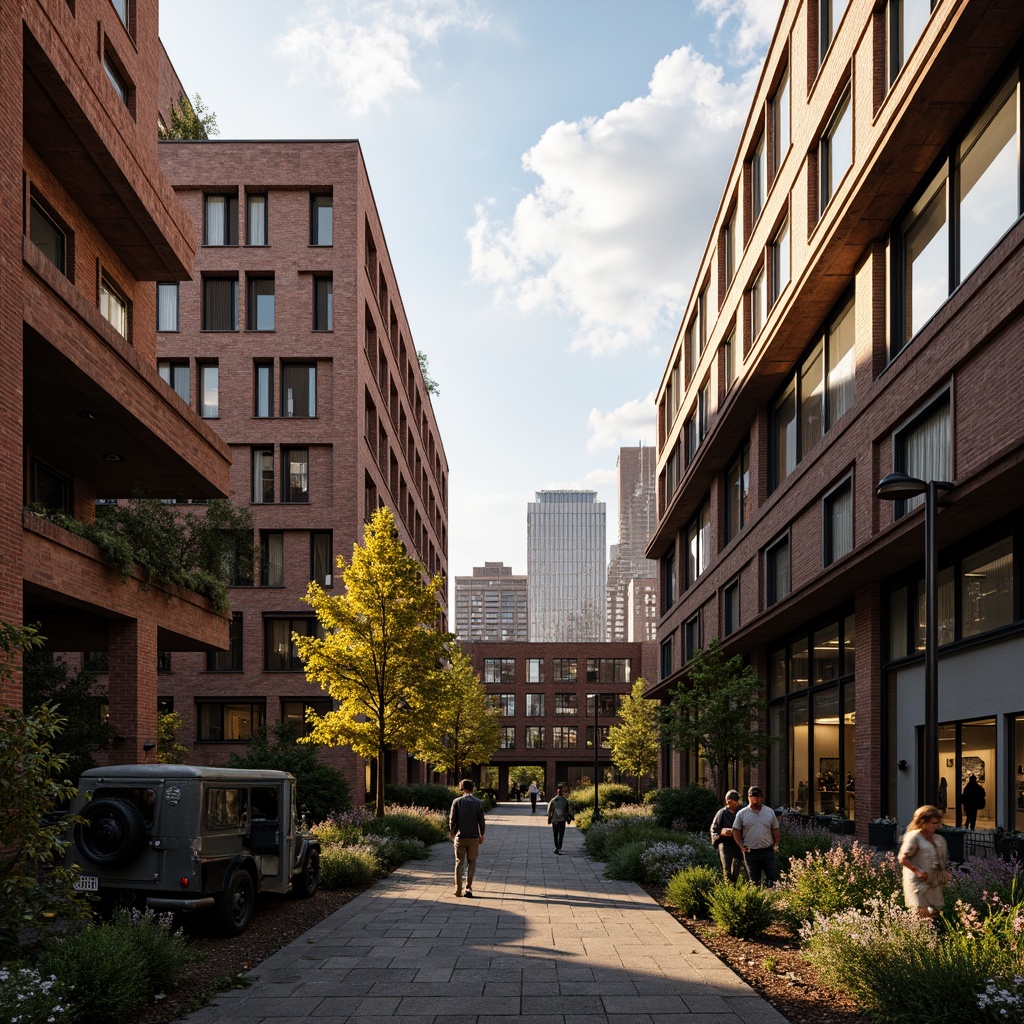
<point>292,343</point>
<point>545,693</point>
<point>87,223</point>
<point>857,311</point>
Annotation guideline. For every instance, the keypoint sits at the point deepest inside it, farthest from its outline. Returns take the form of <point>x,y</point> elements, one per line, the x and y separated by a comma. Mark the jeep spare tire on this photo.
<point>113,834</point>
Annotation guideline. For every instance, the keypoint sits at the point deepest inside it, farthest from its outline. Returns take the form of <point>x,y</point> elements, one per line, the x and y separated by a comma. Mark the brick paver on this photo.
<point>548,940</point>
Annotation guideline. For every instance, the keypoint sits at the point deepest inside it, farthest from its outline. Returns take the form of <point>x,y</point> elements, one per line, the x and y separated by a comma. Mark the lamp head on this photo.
<point>900,487</point>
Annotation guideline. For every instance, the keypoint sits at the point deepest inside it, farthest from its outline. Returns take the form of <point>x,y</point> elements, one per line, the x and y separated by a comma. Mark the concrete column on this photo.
<point>132,688</point>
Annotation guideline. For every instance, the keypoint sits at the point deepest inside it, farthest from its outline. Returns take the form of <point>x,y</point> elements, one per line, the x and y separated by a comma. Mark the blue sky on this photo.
<point>546,173</point>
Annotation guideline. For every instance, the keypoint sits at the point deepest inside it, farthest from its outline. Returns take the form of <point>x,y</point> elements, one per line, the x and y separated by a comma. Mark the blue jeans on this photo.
<point>762,864</point>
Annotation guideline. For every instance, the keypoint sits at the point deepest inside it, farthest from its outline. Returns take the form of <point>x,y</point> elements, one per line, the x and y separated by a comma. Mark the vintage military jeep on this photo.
<point>184,838</point>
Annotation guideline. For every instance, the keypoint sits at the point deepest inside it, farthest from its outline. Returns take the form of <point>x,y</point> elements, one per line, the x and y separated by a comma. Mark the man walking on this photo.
<point>723,839</point>
<point>558,815</point>
<point>534,793</point>
<point>973,800</point>
<point>757,830</point>
<point>466,829</point>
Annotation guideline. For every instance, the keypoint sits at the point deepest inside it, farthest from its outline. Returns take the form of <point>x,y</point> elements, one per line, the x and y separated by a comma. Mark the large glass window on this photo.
<point>48,238</point>
<point>698,543</point>
<point>256,220</point>
<point>262,475</point>
<point>780,262</point>
<point>737,493</point>
<point>167,306</point>
<point>507,738</point>
<point>321,220</point>
<point>780,122</point>
<point>691,636</point>
<point>298,390</point>
<point>321,557</point>
<point>830,14</point>
<point>837,515</point>
<point>535,737</point>
<point>261,304</point>
<point>220,303</point>
<point>296,713</point>
<point>271,558</point>
<point>295,479</point>
<point>323,303</point>
<point>176,373</point>
<point>209,390</point>
<point>566,704</point>
<point>987,588</point>
<point>220,218</point>
<point>758,303</point>
<point>263,389</point>
<point>925,258</point>
<point>836,151</point>
<point>907,20</point>
<point>564,737</point>
<point>231,659</point>
<point>564,670</point>
<point>924,449</point>
<point>758,179</point>
<point>535,670</point>
<point>500,670</point>
<point>279,651</point>
<point>504,702</point>
<point>777,583</point>
<point>842,362</point>
<point>535,705</point>
<point>113,307</point>
<point>220,721</point>
<point>731,607</point>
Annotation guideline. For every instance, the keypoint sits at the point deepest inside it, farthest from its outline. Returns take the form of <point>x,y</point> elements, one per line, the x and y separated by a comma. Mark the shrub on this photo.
<point>436,798</point>
<point>162,948</point>
<point>344,829</point>
<point>690,890</point>
<point>604,837</point>
<point>609,795</point>
<point>29,997</point>
<point>420,823</point>
<point>651,797</point>
<point>799,840</point>
<point>690,808</point>
<point>742,910</point>
<point>843,878</point>
<point>626,862</point>
<point>662,860</point>
<point>976,882</point>
<point>489,802</point>
<point>391,852</point>
<point>348,867</point>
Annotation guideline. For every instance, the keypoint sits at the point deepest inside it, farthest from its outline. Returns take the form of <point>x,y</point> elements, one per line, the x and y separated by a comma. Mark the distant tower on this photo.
<point>629,620</point>
<point>491,604</point>
<point>565,552</point>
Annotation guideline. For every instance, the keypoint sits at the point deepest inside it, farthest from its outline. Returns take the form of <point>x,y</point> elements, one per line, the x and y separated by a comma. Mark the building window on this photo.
<point>691,631</point>
<point>47,237</point>
<point>279,651</point>
<point>698,543</point>
<point>239,558</point>
<point>260,304</point>
<point>602,737</point>
<point>507,738</point>
<point>321,220</point>
<point>500,670</point>
<point>535,737</point>
<point>271,558</point>
<point>666,658</point>
<point>730,360</point>
<point>841,361</point>
<point>780,262</point>
<point>223,722</point>
<point>295,478</point>
<point>176,373</point>
<point>566,704</point>
<point>924,449</point>
<point>50,488</point>
<point>986,589</point>
<point>780,123</point>
<point>758,179</point>
<point>113,307</point>
<point>117,79</point>
<point>504,702</point>
<point>220,303</point>
<point>564,737</point>
<point>906,23</point>
<point>737,493</point>
<point>298,390</point>
<point>836,149</point>
<point>535,705</point>
<point>731,607</point>
<point>220,219</point>
<point>535,670</point>
<point>209,390</point>
<point>758,303</point>
<point>256,220</point>
<point>231,659</point>
<point>608,671</point>
<point>830,14</point>
<point>731,246</point>
<point>564,670</point>
<point>321,557</point>
<point>121,6</point>
<point>167,306</point>
<point>262,475</point>
<point>776,571</point>
<point>263,388</point>
<point>296,713</point>
<point>323,303</point>
<point>837,525</point>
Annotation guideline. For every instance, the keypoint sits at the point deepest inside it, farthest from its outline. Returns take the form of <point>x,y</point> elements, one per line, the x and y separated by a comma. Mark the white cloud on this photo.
<point>612,234</point>
<point>627,425</point>
<point>746,26</point>
<point>367,51</point>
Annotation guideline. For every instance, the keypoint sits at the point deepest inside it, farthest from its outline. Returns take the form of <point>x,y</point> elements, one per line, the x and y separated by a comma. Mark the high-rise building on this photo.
<point>858,313</point>
<point>565,567</point>
<point>491,604</point>
<point>292,342</point>
<point>87,223</point>
<point>629,561</point>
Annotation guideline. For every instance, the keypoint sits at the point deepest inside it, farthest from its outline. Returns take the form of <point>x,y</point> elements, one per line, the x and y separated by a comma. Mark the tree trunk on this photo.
<point>381,757</point>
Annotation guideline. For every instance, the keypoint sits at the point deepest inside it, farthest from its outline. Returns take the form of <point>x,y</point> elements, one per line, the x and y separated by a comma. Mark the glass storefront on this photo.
<point>966,749</point>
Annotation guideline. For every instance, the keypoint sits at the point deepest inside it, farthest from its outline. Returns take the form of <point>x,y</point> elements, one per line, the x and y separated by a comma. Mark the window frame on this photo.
<point>259,495</point>
<point>773,592</point>
<point>111,298</point>
<point>203,389</point>
<point>263,218</point>
<point>255,317</point>
<point>323,319</point>
<point>290,493</point>
<point>231,660</point>
<point>731,619</point>
<point>828,181</point>
<point>168,288</point>
<point>230,228</point>
<point>316,205</point>
<point>843,490</point>
<point>287,370</point>
<point>170,372</point>
<point>211,281</point>
<point>60,235</point>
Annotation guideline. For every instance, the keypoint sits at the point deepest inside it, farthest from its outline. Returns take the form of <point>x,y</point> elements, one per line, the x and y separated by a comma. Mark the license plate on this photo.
<point>87,883</point>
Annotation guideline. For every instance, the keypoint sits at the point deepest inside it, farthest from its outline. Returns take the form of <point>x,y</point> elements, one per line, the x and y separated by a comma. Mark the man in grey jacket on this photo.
<point>466,829</point>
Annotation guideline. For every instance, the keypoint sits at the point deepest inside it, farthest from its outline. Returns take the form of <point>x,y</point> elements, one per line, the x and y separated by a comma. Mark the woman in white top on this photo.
<point>534,793</point>
<point>924,857</point>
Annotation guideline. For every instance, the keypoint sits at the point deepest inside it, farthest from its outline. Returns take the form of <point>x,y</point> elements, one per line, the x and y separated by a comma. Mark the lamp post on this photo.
<point>901,487</point>
<point>597,807</point>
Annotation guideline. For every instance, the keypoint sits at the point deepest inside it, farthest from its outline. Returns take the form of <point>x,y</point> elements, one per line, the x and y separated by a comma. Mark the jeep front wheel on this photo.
<point>307,881</point>
<point>235,905</point>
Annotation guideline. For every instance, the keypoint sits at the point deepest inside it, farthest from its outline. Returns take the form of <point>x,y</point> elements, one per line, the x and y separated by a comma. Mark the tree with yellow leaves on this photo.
<point>380,655</point>
<point>636,741</point>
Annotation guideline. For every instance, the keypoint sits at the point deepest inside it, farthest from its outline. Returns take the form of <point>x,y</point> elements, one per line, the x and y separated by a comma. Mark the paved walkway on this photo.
<point>548,940</point>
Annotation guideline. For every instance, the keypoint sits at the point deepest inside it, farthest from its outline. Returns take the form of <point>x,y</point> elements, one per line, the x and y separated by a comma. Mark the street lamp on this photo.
<point>901,487</point>
<point>597,807</point>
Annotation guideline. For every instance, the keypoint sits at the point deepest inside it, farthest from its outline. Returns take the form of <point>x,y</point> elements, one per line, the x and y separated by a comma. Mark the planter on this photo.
<point>837,826</point>
<point>1009,847</point>
<point>882,837</point>
<point>955,843</point>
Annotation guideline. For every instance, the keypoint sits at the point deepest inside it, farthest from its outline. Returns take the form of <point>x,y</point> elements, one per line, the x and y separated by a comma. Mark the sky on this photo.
<point>546,173</point>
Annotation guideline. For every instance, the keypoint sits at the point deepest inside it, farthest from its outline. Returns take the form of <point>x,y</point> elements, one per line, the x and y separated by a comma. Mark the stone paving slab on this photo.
<point>548,940</point>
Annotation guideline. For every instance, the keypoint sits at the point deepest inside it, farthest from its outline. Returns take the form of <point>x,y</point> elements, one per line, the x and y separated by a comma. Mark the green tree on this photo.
<point>719,711</point>
<point>636,741</point>
<point>433,388</point>
<point>190,119</point>
<point>33,887</point>
<point>464,728</point>
<point>380,651</point>
<point>168,749</point>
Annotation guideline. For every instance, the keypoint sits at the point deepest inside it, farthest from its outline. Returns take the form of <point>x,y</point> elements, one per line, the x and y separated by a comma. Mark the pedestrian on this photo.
<point>973,800</point>
<point>943,801</point>
<point>722,838</point>
<point>559,814</point>
<point>466,829</point>
<point>924,857</point>
<point>757,830</point>
<point>513,793</point>
<point>534,793</point>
